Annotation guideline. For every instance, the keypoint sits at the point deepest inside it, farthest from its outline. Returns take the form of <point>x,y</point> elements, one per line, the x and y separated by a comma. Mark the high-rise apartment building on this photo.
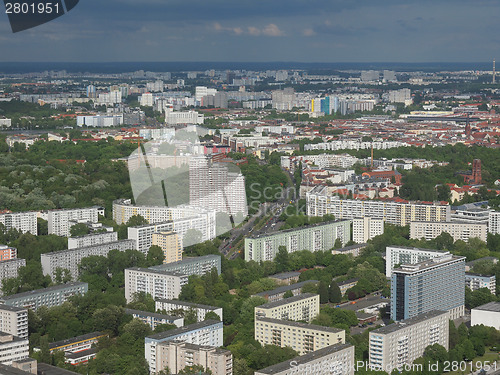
<point>10,268</point>
<point>318,237</point>
<point>434,284</point>
<point>92,239</point>
<point>70,259</point>
<point>319,203</point>
<point>459,231</point>
<point>155,319</point>
<point>171,245</point>
<point>475,281</point>
<point>365,228</point>
<point>301,337</point>
<point>123,210</point>
<point>7,252</point>
<point>60,221</point>
<point>336,359</point>
<point>13,348</point>
<point>158,284</point>
<point>174,307</point>
<point>407,255</point>
<point>212,186</point>
<point>302,307</point>
<point>14,320</point>
<point>494,222</point>
<point>143,234</point>
<point>192,266</point>
<point>206,333</point>
<point>51,296</point>
<point>399,344</point>
<point>22,221</point>
<point>176,355</point>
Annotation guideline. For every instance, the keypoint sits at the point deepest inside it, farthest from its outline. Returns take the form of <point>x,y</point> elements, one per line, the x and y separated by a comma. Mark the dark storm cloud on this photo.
<point>262,30</point>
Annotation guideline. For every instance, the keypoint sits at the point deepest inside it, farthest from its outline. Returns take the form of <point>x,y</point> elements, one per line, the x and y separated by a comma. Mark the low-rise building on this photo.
<point>286,277</point>
<point>475,281</point>
<point>174,307</point>
<point>336,359</point>
<point>487,314</point>
<point>279,293</point>
<point>302,307</point>
<point>176,355</point>
<point>458,230</point>
<point>301,337</point>
<point>14,320</point>
<point>70,259</point>
<point>51,296</point>
<point>154,319</point>
<point>398,344</point>
<point>193,266</point>
<point>354,250</point>
<point>78,343</point>
<point>344,286</point>
<point>206,333</point>
<point>158,284</point>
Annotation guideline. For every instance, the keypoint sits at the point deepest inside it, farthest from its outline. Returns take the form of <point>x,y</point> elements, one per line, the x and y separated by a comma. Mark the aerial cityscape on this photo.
<point>249,204</point>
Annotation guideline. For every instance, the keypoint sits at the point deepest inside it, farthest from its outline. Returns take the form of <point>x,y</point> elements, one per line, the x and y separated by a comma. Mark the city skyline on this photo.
<point>318,31</point>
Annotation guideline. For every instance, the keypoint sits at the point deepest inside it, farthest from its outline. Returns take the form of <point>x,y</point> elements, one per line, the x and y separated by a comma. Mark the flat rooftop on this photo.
<point>44,290</point>
<point>285,288</point>
<point>203,258</point>
<point>72,340</point>
<point>297,229</point>
<point>157,272</point>
<point>286,301</point>
<point>179,331</point>
<point>303,359</point>
<point>284,275</point>
<point>428,264</point>
<point>408,322</point>
<point>147,313</point>
<point>300,325</point>
<point>490,306</point>
<point>188,304</point>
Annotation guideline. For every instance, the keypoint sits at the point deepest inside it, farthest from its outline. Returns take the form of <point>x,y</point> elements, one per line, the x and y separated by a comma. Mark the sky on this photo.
<point>261,31</point>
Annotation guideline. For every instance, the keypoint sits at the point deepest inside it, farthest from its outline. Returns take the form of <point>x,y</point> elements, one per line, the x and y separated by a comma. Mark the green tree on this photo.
<point>212,315</point>
<point>282,260</point>
<point>323,292</point>
<point>79,229</point>
<point>155,256</point>
<point>334,293</point>
<point>42,227</point>
<point>62,275</point>
<point>136,221</point>
<point>288,294</point>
